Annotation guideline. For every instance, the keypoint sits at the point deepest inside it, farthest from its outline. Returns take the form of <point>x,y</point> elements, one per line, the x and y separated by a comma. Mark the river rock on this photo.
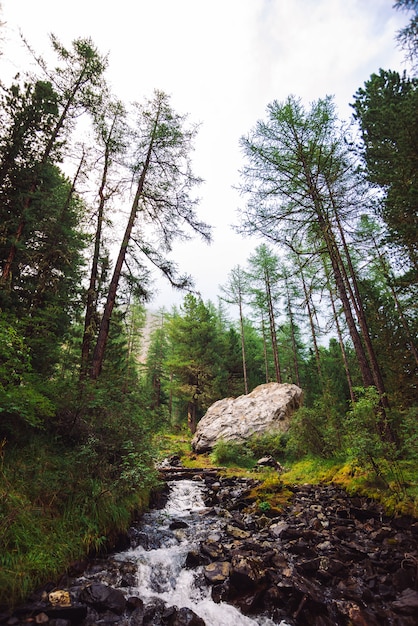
<point>326,559</point>
<point>267,409</point>
<point>217,572</point>
<point>186,617</point>
<point>103,597</point>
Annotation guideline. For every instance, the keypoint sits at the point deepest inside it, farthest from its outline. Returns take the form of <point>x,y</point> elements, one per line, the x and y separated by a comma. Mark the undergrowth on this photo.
<point>58,515</point>
<point>395,487</point>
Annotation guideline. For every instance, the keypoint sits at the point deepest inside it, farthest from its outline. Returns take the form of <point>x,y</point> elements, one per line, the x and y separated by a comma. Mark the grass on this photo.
<point>65,511</point>
<point>396,490</point>
<point>57,516</point>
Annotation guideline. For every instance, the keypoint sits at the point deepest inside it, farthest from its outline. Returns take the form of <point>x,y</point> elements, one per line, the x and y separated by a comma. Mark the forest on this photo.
<point>92,379</point>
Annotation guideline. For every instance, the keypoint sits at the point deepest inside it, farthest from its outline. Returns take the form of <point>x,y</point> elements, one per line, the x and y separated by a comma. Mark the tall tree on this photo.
<point>298,177</point>
<point>162,198</point>
<point>233,293</point>
<point>73,88</point>
<point>264,275</point>
<point>386,110</point>
<point>111,131</point>
<point>378,260</point>
<point>157,373</point>
<point>28,114</point>
<point>292,325</point>
<point>194,357</point>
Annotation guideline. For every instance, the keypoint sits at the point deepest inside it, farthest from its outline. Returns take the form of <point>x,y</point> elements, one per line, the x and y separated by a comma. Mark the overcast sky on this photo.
<point>222,62</point>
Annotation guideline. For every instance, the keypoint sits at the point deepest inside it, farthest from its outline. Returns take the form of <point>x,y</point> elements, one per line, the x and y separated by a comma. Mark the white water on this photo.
<point>160,569</point>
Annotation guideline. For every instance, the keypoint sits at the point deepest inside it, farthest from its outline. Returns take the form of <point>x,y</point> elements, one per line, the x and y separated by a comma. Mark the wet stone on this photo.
<point>325,560</point>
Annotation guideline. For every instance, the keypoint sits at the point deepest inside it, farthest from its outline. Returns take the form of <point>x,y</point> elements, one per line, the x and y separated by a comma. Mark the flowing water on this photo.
<point>160,558</point>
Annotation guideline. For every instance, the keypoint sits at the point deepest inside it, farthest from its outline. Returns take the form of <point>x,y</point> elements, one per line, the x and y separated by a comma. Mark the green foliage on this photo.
<point>229,453</point>
<point>386,109</point>
<point>20,397</point>
<point>391,343</point>
<point>405,423</point>
<point>264,506</point>
<point>80,493</point>
<point>367,441</point>
<point>313,431</point>
<point>194,357</point>
<point>363,427</point>
<point>268,445</point>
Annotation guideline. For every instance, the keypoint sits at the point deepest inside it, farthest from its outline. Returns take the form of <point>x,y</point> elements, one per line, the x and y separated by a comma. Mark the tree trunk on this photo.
<point>89,319</point>
<point>308,301</point>
<point>273,333</point>
<point>361,316</point>
<point>100,348</point>
<point>292,332</point>
<point>192,416</point>
<point>266,363</point>
<point>340,340</point>
<point>338,268</point>
<point>244,361</point>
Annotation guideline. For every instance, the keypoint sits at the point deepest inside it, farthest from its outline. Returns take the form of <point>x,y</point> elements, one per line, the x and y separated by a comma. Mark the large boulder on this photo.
<point>266,410</point>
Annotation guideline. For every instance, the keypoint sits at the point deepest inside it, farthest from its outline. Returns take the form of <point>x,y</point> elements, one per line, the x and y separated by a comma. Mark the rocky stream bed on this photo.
<point>326,560</point>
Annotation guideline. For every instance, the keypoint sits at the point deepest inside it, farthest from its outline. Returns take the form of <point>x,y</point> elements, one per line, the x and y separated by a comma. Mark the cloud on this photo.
<point>222,61</point>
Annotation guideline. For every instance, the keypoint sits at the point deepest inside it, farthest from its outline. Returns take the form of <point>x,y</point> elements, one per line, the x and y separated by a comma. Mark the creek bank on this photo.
<point>328,559</point>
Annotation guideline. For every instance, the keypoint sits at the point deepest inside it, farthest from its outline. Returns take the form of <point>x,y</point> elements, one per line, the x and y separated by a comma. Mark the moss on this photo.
<point>271,491</point>
<point>396,489</point>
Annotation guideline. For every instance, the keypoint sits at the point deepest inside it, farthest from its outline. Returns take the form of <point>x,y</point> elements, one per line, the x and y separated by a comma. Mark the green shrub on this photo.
<point>405,425</point>
<point>313,432</point>
<point>22,402</point>
<point>364,425</point>
<point>370,438</point>
<point>229,453</point>
<point>268,445</point>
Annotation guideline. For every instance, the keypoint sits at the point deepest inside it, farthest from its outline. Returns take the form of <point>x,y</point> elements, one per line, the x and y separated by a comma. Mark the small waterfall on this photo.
<point>160,558</point>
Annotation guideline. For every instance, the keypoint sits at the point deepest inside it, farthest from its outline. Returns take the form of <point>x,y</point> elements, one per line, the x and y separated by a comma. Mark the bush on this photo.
<point>312,432</point>
<point>230,453</point>
<point>405,425</point>
<point>268,445</point>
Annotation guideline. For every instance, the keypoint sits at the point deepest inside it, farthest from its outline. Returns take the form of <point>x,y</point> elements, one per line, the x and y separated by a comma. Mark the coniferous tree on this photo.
<point>298,180</point>
<point>233,293</point>
<point>387,112</point>
<point>111,135</point>
<point>156,371</point>
<point>162,200</point>
<point>194,358</point>
<point>263,276</point>
<point>74,87</point>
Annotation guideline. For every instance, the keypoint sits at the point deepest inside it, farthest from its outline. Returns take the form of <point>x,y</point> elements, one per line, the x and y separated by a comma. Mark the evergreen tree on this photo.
<point>111,132</point>
<point>234,293</point>
<point>387,112</point>
<point>43,118</point>
<point>162,201</point>
<point>263,278</point>
<point>194,358</point>
<point>299,182</point>
<point>156,370</point>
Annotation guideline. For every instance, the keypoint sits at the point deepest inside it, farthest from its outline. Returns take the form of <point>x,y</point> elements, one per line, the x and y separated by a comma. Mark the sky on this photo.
<point>222,62</point>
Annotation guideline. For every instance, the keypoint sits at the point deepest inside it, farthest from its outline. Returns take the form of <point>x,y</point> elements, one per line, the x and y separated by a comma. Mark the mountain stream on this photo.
<point>161,554</point>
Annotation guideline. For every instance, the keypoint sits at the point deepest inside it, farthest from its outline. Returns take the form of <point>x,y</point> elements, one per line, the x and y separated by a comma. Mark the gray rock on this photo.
<point>267,409</point>
<point>103,598</point>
